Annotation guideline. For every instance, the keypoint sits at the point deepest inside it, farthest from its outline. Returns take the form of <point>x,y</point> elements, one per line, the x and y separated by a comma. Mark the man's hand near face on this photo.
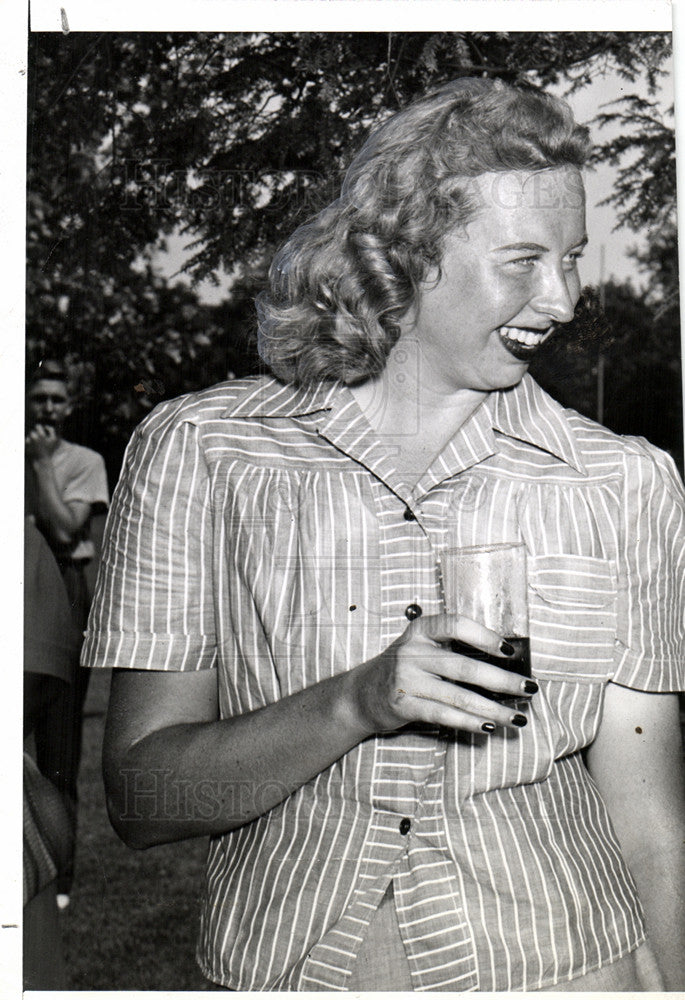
<point>41,442</point>
<point>61,520</point>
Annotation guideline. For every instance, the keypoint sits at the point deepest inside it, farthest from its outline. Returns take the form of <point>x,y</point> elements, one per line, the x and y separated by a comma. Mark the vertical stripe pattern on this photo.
<point>261,530</point>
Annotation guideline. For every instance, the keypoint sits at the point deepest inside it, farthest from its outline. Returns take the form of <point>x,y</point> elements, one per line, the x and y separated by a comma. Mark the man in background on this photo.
<point>66,487</point>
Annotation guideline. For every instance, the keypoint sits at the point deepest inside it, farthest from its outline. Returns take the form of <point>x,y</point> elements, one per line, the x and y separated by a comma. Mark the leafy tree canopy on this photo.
<point>233,139</point>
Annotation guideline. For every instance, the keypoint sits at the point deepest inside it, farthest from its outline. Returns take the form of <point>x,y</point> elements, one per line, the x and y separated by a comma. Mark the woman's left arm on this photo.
<point>636,761</point>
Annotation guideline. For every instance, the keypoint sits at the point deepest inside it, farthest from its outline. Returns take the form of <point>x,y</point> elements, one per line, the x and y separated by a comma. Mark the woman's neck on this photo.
<point>408,391</point>
<point>413,418</point>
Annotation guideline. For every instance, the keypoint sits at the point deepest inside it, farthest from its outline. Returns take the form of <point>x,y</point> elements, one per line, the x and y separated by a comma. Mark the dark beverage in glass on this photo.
<point>519,663</point>
<point>489,584</point>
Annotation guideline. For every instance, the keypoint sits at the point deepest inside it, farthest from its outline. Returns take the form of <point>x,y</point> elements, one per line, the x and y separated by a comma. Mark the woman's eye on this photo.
<point>523,262</point>
<point>527,263</point>
<point>573,258</point>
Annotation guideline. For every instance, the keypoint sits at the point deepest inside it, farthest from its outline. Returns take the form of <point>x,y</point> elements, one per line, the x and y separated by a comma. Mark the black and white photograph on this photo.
<point>353,510</point>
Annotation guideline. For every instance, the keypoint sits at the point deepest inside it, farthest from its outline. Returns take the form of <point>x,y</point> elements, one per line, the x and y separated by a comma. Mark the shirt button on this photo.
<point>409,514</point>
<point>413,611</point>
<point>405,826</point>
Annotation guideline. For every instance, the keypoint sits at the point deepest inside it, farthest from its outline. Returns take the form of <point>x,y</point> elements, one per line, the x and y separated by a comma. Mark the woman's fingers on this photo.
<point>431,651</point>
<point>446,627</point>
<point>419,678</point>
<point>432,699</point>
<point>462,669</point>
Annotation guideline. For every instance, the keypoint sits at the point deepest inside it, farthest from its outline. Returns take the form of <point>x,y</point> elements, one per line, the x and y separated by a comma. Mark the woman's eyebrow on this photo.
<point>523,246</point>
<point>538,246</point>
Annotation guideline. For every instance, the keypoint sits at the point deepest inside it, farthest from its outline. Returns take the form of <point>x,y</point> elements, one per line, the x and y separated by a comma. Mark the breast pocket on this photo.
<point>572,607</point>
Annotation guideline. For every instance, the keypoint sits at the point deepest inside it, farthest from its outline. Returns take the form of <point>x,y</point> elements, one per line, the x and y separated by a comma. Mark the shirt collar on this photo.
<point>267,397</point>
<point>527,413</point>
<point>338,419</point>
<point>524,412</point>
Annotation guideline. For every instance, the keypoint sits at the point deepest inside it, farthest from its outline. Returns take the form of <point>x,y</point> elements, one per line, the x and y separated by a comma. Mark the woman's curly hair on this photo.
<point>342,282</point>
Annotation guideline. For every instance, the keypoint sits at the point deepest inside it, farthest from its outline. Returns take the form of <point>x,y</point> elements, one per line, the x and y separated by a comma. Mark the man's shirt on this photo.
<point>262,531</point>
<point>80,475</point>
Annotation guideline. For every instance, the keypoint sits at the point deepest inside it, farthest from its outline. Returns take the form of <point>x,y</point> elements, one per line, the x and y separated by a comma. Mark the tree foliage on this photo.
<point>232,139</point>
<point>638,346</point>
<point>645,189</point>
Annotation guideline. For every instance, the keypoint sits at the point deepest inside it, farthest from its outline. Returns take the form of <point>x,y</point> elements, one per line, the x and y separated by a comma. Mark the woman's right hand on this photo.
<point>419,679</point>
<point>167,723</point>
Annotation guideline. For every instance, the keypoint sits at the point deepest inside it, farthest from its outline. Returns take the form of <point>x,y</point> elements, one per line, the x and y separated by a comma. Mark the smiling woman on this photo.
<point>507,295</point>
<point>345,280</point>
<point>388,811</point>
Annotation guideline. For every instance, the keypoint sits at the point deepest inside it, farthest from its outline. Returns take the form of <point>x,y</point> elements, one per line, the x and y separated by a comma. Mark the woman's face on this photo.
<point>508,277</point>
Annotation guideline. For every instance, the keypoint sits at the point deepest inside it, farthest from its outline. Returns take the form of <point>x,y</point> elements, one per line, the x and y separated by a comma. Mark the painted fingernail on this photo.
<point>488,727</point>
<point>519,720</point>
<point>530,687</point>
<point>506,648</point>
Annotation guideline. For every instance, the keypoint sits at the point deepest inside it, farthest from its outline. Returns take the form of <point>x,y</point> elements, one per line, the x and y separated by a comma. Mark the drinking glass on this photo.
<point>488,584</point>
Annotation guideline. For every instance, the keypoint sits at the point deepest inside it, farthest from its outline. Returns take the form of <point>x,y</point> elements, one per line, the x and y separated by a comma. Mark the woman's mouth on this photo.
<point>521,341</point>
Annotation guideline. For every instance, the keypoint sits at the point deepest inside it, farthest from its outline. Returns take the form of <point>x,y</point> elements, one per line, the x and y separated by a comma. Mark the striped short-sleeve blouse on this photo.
<point>261,530</point>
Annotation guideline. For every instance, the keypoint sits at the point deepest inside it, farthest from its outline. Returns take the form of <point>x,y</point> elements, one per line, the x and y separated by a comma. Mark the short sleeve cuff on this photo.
<point>144,651</point>
<point>636,669</point>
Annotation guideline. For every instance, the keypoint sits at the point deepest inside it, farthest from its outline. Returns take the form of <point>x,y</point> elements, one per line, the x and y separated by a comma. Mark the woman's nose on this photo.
<point>557,295</point>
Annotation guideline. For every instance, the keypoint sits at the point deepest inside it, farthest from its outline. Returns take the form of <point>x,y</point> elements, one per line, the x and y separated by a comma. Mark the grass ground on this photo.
<point>133,916</point>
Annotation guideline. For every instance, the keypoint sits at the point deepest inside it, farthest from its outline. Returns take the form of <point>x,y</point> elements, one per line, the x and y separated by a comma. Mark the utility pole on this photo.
<point>600,352</point>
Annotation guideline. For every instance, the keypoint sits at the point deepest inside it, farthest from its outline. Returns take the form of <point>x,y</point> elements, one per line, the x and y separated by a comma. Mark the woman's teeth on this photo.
<point>530,338</point>
<point>521,343</point>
